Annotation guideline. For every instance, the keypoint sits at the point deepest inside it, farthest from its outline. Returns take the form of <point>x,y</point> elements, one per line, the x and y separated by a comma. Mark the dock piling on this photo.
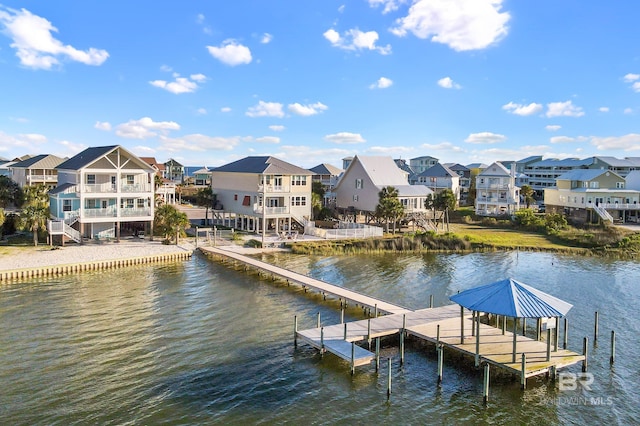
<point>585,352</point>
<point>437,336</point>
<point>431,301</point>
<point>595,329</point>
<point>523,372</point>
<point>556,335</point>
<point>548,344</point>
<point>353,358</point>
<point>295,331</point>
<point>369,333</point>
<point>485,387</point>
<point>565,335</point>
<point>321,341</point>
<point>461,325</point>
<point>345,331</point>
<point>515,339</point>
<point>613,347</point>
<point>377,354</point>
<point>440,349</point>
<point>389,381</point>
<point>538,329</point>
<point>341,314</point>
<point>504,324</point>
<point>376,311</point>
<point>473,323</point>
<point>477,325</point>
<point>318,320</point>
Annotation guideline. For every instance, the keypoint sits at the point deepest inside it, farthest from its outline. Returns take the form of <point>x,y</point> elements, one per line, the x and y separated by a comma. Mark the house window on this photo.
<point>129,203</point>
<point>66,205</point>
<point>355,198</point>
<point>91,179</point>
<point>130,180</point>
<point>481,181</point>
<point>92,204</point>
<point>298,180</point>
<point>246,201</point>
<point>235,197</point>
<point>594,185</point>
<point>620,185</point>
<point>358,184</point>
<point>140,203</point>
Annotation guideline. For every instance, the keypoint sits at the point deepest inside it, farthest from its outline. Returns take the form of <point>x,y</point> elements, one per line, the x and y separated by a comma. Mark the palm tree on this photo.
<point>526,192</point>
<point>445,201</point>
<point>169,221</point>
<point>205,198</point>
<point>10,192</point>
<point>35,211</point>
<point>389,207</point>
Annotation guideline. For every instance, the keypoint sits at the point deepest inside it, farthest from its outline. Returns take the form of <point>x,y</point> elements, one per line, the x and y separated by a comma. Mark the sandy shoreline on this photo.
<point>91,252</point>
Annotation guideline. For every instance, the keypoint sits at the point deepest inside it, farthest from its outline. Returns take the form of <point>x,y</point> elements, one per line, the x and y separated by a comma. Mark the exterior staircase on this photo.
<point>59,227</point>
<point>603,213</point>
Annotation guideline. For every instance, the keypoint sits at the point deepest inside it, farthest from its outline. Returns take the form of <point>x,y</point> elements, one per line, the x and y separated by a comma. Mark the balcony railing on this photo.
<point>42,178</point>
<point>273,188</point>
<point>620,206</point>
<point>97,188</point>
<point>271,210</point>
<point>136,187</point>
<point>94,213</point>
<point>135,212</point>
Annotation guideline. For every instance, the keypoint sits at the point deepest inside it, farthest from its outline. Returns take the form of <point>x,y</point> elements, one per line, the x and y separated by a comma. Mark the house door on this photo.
<point>113,182</point>
<point>273,202</point>
<point>277,181</point>
<point>599,200</point>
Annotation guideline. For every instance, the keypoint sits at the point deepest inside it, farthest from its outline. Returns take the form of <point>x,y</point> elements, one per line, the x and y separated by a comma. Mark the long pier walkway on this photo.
<point>321,286</point>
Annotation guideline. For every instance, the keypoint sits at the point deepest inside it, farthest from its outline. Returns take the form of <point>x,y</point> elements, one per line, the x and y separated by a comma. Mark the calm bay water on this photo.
<point>197,343</point>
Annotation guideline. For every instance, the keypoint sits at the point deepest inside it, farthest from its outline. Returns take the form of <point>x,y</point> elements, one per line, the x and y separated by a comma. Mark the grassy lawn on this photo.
<point>506,238</point>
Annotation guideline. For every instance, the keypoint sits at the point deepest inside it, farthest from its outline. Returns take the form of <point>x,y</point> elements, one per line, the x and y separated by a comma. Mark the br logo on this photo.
<point>571,381</point>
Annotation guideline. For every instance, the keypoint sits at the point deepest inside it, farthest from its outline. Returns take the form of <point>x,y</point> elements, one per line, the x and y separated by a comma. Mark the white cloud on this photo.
<point>145,128</point>
<point>266,38</point>
<point>636,86</point>
<point>268,139</point>
<point>19,119</point>
<point>307,110</point>
<point>630,78</point>
<point>448,83</point>
<point>564,109</point>
<point>277,127</point>
<point>70,149</point>
<point>225,109</point>
<point>553,127</point>
<point>629,142</point>
<point>230,52</point>
<point>345,138</point>
<point>567,139</point>
<point>198,142</point>
<point>628,111</point>
<point>389,5</point>
<point>603,109</point>
<point>103,125</point>
<point>33,137</point>
<point>266,109</point>
<point>165,68</point>
<point>35,45</point>
<point>22,141</point>
<point>200,18</point>
<point>382,83</point>
<point>523,110</point>
<point>180,84</point>
<point>201,111</point>
<point>356,40</point>
<point>460,24</point>
<point>485,138</point>
<point>390,150</point>
<point>444,146</point>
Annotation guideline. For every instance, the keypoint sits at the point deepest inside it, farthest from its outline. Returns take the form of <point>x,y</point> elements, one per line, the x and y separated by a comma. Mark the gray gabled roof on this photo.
<point>457,167</point>
<point>438,170</point>
<point>61,188</point>
<point>500,170</point>
<point>382,170</point>
<point>262,165</point>
<point>86,157</point>
<point>565,162</point>
<point>411,190</point>
<point>476,166</point>
<point>326,169</point>
<point>43,161</point>
<point>584,174</point>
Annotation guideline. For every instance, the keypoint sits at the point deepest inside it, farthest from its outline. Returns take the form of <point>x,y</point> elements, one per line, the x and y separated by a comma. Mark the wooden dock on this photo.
<point>322,287</point>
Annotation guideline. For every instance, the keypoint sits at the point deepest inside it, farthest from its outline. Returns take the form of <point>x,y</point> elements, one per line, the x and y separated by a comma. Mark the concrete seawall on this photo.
<point>97,265</point>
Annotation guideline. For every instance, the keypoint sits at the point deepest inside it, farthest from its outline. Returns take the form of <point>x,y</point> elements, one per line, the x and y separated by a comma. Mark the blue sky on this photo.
<point>314,81</point>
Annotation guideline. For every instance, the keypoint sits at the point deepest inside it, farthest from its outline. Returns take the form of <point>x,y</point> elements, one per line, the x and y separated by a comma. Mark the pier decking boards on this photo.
<point>311,283</point>
<point>495,346</point>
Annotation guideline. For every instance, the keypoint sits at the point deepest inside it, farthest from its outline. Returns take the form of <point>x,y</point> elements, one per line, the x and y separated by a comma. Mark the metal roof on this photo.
<point>43,161</point>
<point>326,169</point>
<point>584,174</point>
<point>263,165</point>
<point>382,170</point>
<point>86,157</point>
<point>411,190</point>
<point>513,299</point>
<point>438,170</point>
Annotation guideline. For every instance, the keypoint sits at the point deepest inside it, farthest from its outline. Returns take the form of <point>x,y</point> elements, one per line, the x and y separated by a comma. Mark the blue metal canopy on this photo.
<point>513,299</point>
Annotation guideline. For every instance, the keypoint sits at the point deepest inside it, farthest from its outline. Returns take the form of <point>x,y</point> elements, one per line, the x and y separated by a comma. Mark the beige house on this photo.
<point>361,183</point>
<point>496,191</point>
<point>588,195</point>
<point>263,194</point>
<point>40,169</point>
<point>440,177</point>
<point>102,191</point>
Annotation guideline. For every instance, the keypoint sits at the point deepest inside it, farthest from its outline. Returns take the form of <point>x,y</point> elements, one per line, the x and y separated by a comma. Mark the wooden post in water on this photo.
<point>515,337</point>
<point>341,314</point>
<point>477,340</point>
<point>376,311</point>
<point>504,324</point>
<point>295,331</point>
<point>321,341</point>
<point>440,349</point>
<point>318,320</point>
<point>462,325</point>
<point>556,335</point>
<point>345,331</point>
<point>353,358</point>
<point>524,326</point>
<point>538,329</point>
<point>485,387</point>
<point>523,371</point>
<point>585,352</point>
<point>369,333</point>
<point>613,347</point>
<point>565,335</point>
<point>404,324</point>
<point>377,354</point>
<point>389,381</point>
<point>548,344</point>
<point>431,301</point>
<point>595,329</point>
<point>437,336</point>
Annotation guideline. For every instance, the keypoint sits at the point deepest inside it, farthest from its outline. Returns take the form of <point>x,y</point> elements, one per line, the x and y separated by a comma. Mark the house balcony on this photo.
<point>135,212</point>
<point>136,187</point>
<point>97,213</point>
<point>271,210</point>
<point>619,206</point>
<point>31,179</point>
<point>273,188</point>
<point>109,212</point>
<point>96,188</point>
<point>494,186</point>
